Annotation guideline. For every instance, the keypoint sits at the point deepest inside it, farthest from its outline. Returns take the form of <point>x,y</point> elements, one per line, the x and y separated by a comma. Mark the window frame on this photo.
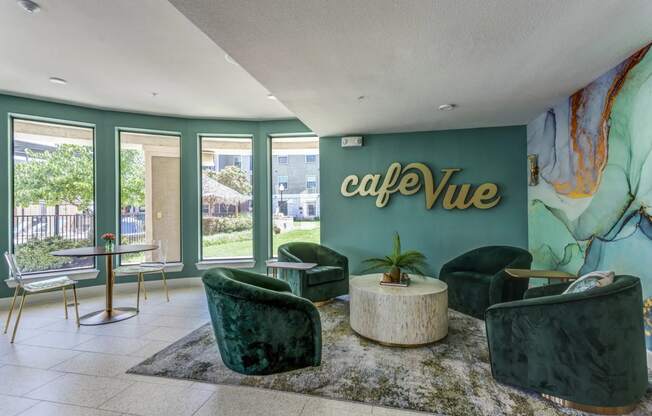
<point>11,117</point>
<point>200,245</point>
<point>314,177</point>
<point>286,181</point>
<point>311,161</point>
<point>118,179</point>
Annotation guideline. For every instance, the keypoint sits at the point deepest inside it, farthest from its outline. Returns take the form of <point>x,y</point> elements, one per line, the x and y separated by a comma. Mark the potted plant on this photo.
<point>397,261</point>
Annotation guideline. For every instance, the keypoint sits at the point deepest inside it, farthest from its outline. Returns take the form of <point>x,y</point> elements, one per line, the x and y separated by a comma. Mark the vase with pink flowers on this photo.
<point>109,241</point>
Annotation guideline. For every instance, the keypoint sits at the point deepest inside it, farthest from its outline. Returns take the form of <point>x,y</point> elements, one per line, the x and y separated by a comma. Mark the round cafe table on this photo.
<point>109,314</point>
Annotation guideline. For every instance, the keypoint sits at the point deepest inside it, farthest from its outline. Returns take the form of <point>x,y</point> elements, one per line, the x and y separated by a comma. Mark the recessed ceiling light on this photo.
<point>446,107</point>
<point>271,96</point>
<point>154,94</point>
<point>57,80</point>
<point>361,97</point>
<point>29,6</point>
<point>229,59</point>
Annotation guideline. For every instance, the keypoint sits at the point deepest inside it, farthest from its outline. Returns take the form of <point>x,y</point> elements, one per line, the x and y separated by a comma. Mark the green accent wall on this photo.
<point>106,123</point>
<point>357,228</point>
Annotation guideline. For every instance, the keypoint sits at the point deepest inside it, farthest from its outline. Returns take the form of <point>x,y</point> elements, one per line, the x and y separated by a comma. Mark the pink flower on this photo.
<point>108,237</point>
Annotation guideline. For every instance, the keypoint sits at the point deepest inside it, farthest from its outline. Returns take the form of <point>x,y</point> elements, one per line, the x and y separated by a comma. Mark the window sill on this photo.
<point>84,274</point>
<point>233,263</point>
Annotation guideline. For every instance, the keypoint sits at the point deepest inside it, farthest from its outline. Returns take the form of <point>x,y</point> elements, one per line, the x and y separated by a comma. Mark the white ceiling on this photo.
<point>115,53</point>
<point>500,62</point>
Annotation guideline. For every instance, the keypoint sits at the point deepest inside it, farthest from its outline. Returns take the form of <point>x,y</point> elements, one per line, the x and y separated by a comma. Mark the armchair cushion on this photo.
<point>590,281</point>
<point>324,274</point>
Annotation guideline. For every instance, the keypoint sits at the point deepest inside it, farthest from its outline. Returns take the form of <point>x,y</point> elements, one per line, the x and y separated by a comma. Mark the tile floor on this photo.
<point>54,368</point>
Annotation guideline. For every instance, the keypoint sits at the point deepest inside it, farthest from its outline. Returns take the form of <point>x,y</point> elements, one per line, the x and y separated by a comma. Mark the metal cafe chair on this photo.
<point>155,262</point>
<point>45,285</point>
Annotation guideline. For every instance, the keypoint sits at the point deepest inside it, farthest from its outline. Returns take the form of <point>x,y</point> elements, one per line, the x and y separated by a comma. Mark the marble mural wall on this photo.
<point>592,207</point>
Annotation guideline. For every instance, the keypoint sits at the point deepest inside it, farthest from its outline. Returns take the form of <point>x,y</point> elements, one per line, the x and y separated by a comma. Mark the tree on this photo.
<point>235,178</point>
<point>64,176</point>
<point>60,177</point>
<point>132,178</point>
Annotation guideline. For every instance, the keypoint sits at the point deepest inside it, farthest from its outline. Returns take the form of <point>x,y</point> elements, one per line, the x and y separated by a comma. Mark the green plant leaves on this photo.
<point>410,260</point>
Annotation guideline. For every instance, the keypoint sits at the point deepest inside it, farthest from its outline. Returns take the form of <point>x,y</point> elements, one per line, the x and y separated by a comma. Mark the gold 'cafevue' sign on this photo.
<point>406,181</point>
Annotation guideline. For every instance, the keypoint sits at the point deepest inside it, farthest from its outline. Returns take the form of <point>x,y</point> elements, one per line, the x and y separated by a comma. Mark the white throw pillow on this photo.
<point>590,281</point>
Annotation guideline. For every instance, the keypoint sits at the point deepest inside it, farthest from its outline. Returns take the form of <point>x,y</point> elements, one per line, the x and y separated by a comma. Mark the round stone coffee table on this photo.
<point>399,316</point>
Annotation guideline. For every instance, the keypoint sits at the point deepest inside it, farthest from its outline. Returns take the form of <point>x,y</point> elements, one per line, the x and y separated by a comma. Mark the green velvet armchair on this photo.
<point>326,281</point>
<point>586,348</point>
<point>260,326</point>
<point>477,279</point>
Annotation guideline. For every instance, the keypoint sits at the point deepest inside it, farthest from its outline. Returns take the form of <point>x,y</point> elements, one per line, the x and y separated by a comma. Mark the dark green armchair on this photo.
<point>260,326</point>
<point>587,348</point>
<point>477,279</point>
<point>326,281</point>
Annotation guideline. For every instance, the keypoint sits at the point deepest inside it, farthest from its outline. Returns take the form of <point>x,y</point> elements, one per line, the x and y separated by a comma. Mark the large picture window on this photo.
<point>295,190</point>
<point>53,193</point>
<point>150,192</point>
<point>226,198</point>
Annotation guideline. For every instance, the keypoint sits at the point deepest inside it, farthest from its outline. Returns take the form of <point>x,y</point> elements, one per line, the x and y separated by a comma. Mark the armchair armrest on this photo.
<point>285,255</point>
<point>263,282</point>
<point>502,289</point>
<point>330,257</point>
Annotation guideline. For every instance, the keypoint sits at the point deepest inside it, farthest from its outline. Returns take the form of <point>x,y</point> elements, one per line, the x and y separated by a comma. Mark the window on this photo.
<point>282,183</point>
<point>227,195</point>
<point>295,191</point>
<point>150,192</point>
<point>311,183</point>
<point>53,193</point>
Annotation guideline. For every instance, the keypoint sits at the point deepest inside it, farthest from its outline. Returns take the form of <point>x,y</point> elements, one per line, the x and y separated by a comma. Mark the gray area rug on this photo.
<point>451,377</point>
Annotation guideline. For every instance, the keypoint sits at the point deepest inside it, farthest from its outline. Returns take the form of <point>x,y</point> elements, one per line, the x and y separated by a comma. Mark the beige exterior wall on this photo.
<point>164,213</point>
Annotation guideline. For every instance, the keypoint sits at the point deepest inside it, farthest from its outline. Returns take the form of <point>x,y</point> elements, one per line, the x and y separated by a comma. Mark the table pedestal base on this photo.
<point>103,317</point>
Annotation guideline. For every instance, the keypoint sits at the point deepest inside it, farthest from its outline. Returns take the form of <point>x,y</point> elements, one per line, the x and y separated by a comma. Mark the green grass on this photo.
<point>240,243</point>
<point>310,236</point>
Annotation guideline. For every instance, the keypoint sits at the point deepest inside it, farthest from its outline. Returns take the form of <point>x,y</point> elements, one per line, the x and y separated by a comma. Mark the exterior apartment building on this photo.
<point>295,181</point>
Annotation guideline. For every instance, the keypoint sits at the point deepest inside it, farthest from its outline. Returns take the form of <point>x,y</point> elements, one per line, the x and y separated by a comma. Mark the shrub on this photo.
<point>216,225</point>
<point>35,255</point>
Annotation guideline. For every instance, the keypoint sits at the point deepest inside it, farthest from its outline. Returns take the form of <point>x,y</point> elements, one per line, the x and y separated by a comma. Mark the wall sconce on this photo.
<point>533,162</point>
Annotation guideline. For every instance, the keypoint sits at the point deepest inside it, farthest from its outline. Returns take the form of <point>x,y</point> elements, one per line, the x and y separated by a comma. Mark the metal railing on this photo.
<point>39,227</point>
<point>132,228</point>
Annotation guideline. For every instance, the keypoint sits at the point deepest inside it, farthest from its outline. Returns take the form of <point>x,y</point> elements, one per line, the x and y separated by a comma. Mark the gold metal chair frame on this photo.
<point>33,291</point>
<point>140,276</point>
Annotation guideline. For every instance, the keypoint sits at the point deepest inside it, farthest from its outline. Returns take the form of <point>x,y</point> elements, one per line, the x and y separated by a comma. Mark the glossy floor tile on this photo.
<point>55,368</point>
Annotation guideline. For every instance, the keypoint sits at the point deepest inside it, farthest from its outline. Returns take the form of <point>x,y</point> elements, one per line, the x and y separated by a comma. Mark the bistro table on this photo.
<point>109,314</point>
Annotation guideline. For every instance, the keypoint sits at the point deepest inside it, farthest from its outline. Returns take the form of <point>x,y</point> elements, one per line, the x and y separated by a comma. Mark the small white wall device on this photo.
<point>352,141</point>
